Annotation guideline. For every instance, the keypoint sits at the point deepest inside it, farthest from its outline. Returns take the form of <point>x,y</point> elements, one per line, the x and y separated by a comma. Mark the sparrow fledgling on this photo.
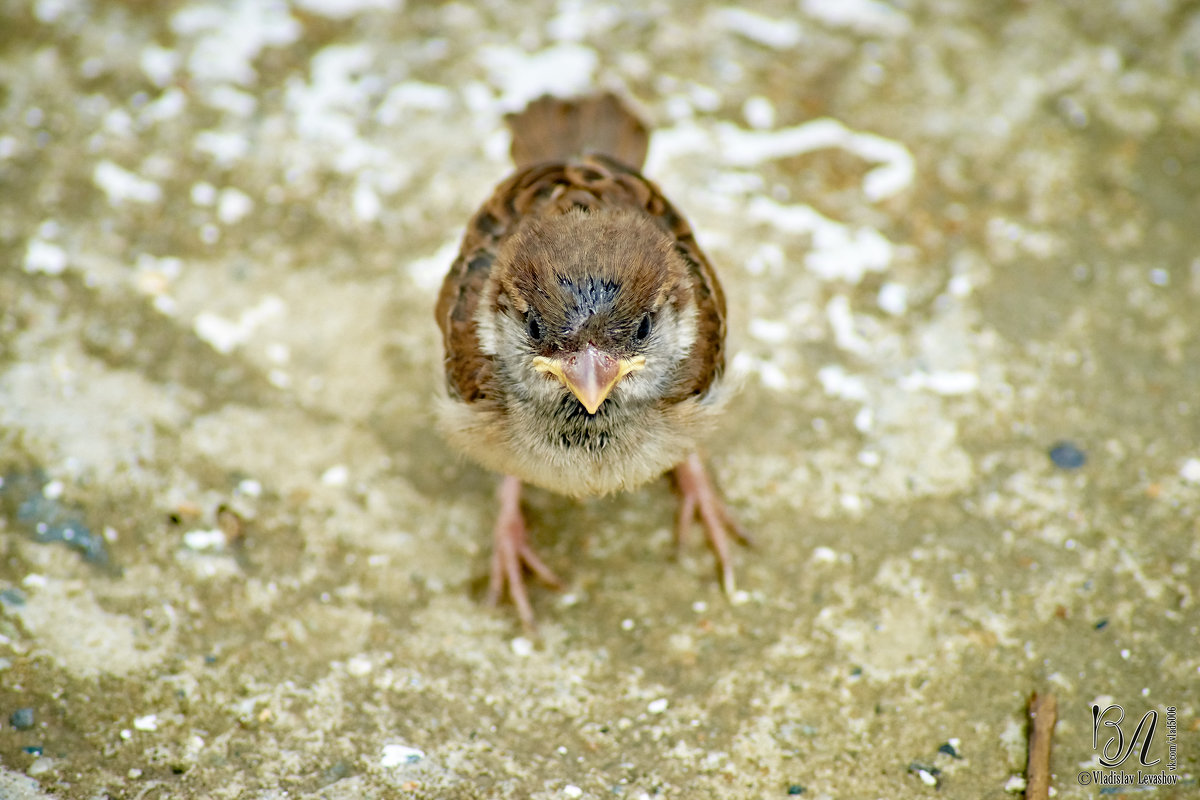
<point>584,332</point>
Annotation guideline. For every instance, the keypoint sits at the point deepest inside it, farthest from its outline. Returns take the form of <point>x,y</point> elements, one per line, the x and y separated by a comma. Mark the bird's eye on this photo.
<point>643,331</point>
<point>535,329</point>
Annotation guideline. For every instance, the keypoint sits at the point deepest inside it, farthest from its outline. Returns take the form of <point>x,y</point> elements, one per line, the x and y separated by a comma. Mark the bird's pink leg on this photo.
<point>698,497</point>
<point>511,553</point>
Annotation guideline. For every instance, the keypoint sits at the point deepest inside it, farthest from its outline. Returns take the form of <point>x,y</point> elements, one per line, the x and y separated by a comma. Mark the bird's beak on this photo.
<point>590,374</point>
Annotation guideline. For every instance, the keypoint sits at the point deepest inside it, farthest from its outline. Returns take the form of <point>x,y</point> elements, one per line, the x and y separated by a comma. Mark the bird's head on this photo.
<point>595,303</point>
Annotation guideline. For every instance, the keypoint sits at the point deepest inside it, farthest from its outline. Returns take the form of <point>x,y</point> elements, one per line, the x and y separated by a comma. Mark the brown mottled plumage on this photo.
<point>584,330</point>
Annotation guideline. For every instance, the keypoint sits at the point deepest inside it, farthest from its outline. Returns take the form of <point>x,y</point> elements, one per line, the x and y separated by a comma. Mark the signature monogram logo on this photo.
<point>1115,752</point>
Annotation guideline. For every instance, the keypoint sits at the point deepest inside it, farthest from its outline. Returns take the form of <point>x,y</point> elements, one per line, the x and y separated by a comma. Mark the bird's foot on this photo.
<point>698,497</point>
<point>512,553</point>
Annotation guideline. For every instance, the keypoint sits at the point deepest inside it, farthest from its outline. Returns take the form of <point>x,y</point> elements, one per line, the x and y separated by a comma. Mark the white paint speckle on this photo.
<point>837,383</point>
<point>233,206</point>
<point>767,257</point>
<point>120,185</point>
<point>959,286</point>
<point>234,101</point>
<point>572,791</point>
<point>44,257</point>
<point>337,475</point>
<point>778,34</point>
<point>1015,784</point>
<point>365,201</point>
<point>249,488</point>
<point>228,37</point>
<point>578,19</point>
<point>212,539</point>
<point>53,490</point>
<point>943,383</point>
<point>169,105</point>
<point>226,335</point>
<point>893,298</point>
<point>870,17</point>
<point>657,706</point>
<point>838,252</point>
<point>759,112</point>
<point>627,624</point>
<point>398,755</point>
<point>147,723</point>
<point>769,330</point>
<point>564,69</point>
<point>845,332</point>
<point>345,9</point>
<point>159,64</point>
<point>895,172</point>
<point>409,96</point>
<point>1190,471</point>
<point>225,148</point>
<point>521,646</point>
<point>824,555</point>
<point>203,194</point>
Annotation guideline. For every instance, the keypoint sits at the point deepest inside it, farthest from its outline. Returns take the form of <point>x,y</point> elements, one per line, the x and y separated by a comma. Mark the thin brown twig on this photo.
<point>1043,713</point>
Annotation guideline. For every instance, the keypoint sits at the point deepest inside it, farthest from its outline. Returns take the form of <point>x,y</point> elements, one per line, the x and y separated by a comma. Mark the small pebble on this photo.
<point>657,706</point>
<point>1015,784</point>
<point>950,748</point>
<point>521,646</point>
<point>927,774</point>
<point>33,750</point>
<point>21,719</point>
<point>396,755</point>
<point>571,790</point>
<point>1101,625</point>
<point>1067,456</point>
<point>40,765</point>
<point>795,789</point>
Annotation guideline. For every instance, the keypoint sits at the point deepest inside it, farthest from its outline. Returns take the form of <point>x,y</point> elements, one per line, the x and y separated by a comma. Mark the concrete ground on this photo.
<point>960,246</point>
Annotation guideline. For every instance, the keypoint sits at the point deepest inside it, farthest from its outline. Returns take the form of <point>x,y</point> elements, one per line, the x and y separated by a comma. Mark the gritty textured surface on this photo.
<point>237,563</point>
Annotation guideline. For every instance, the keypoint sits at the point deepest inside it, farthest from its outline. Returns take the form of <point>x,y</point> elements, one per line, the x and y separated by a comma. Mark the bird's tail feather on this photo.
<point>552,129</point>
